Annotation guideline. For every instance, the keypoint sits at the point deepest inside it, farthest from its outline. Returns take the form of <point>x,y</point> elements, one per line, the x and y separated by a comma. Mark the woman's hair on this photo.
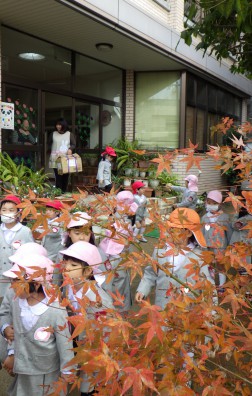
<point>78,261</point>
<point>192,239</point>
<point>63,123</point>
<point>69,240</point>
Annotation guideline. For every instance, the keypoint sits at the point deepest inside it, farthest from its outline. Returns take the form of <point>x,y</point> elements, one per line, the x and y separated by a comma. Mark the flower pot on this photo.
<point>152,174</point>
<point>148,192</point>
<point>154,183</point>
<point>142,174</point>
<point>135,172</point>
<point>128,172</point>
<point>127,182</point>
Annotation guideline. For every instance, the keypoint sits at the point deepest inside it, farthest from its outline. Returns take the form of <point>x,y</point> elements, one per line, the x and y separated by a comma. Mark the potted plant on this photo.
<point>92,158</point>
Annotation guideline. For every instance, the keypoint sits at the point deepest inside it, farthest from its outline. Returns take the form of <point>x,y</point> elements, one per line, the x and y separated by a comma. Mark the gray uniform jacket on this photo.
<point>240,235</point>
<point>215,235</point>
<point>104,173</point>
<point>34,357</point>
<point>189,198</point>
<point>52,241</point>
<point>161,281</point>
<point>22,236</point>
<point>141,210</point>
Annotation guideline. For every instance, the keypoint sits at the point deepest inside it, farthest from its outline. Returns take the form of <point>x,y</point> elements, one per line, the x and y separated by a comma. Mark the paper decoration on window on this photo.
<point>7,115</point>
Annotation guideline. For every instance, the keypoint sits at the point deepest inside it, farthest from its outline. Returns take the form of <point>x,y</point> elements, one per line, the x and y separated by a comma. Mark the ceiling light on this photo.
<point>104,47</point>
<point>31,56</point>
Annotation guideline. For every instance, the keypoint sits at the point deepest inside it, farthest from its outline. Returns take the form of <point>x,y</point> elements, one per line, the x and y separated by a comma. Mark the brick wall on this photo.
<point>209,178</point>
<point>130,102</point>
<point>173,18</point>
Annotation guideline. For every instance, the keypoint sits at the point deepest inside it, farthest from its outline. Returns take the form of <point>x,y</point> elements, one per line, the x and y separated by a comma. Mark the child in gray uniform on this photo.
<point>39,356</point>
<point>216,226</point>
<point>104,169</point>
<point>141,201</point>
<point>81,262</point>
<point>189,197</point>
<point>52,241</point>
<point>181,234</point>
<point>13,234</point>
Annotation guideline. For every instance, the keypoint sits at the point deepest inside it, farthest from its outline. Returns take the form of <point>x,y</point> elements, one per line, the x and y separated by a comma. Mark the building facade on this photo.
<point>112,68</point>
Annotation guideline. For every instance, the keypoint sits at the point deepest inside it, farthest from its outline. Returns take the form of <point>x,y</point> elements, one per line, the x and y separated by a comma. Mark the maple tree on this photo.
<point>194,346</point>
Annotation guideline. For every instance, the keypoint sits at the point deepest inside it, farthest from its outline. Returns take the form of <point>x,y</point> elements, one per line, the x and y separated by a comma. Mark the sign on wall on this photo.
<point>7,115</point>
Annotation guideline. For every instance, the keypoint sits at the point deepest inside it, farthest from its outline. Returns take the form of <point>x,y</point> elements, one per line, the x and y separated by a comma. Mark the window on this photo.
<point>157,109</point>
<point>98,79</point>
<point>206,105</point>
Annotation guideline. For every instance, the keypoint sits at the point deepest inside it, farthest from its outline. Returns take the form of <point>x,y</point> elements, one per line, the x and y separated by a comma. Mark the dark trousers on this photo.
<point>61,181</point>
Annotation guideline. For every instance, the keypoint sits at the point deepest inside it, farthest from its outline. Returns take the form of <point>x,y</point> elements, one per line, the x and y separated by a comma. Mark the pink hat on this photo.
<point>55,204</point>
<point>31,263</point>
<point>79,219</point>
<point>84,251</point>
<point>136,185</point>
<point>11,198</point>
<point>109,151</point>
<point>125,202</point>
<point>89,253</point>
<point>109,245</point>
<point>192,182</point>
<point>27,249</point>
<point>215,195</point>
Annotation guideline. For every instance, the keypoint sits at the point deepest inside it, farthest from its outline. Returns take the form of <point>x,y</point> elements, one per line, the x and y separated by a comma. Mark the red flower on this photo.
<point>33,126</point>
<point>31,108</point>
<point>24,106</point>
<point>17,102</point>
<point>17,112</point>
<point>8,99</point>
<point>25,115</point>
<point>18,121</point>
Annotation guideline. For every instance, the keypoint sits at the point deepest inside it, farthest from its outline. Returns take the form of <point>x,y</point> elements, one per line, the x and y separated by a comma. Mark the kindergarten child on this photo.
<point>114,245</point>
<point>184,236</point>
<point>52,241</point>
<point>104,169</point>
<point>81,261</point>
<point>189,197</point>
<point>12,234</point>
<point>78,229</point>
<point>39,355</point>
<point>22,251</point>
<point>216,226</point>
<point>240,233</point>
<point>141,200</point>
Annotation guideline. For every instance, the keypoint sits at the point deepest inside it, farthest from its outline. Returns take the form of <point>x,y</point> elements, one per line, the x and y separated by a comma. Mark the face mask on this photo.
<point>8,218</point>
<point>212,208</point>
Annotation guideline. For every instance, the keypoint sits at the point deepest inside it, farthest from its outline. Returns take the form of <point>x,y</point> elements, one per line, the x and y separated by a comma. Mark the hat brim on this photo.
<point>11,272</point>
<point>195,230</point>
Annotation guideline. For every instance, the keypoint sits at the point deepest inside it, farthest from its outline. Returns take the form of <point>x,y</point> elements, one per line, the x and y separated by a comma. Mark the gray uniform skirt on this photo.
<point>33,385</point>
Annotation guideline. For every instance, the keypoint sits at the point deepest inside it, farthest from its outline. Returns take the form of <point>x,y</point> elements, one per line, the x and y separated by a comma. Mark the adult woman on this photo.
<point>23,134</point>
<point>62,142</point>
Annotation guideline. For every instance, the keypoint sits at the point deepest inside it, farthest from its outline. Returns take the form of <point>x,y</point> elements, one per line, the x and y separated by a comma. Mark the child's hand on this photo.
<point>8,364</point>
<point>9,333</point>
<point>139,297</point>
<point>238,225</point>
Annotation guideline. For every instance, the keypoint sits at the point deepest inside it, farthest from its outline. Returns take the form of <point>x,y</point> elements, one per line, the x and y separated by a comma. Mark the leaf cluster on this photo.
<point>231,35</point>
